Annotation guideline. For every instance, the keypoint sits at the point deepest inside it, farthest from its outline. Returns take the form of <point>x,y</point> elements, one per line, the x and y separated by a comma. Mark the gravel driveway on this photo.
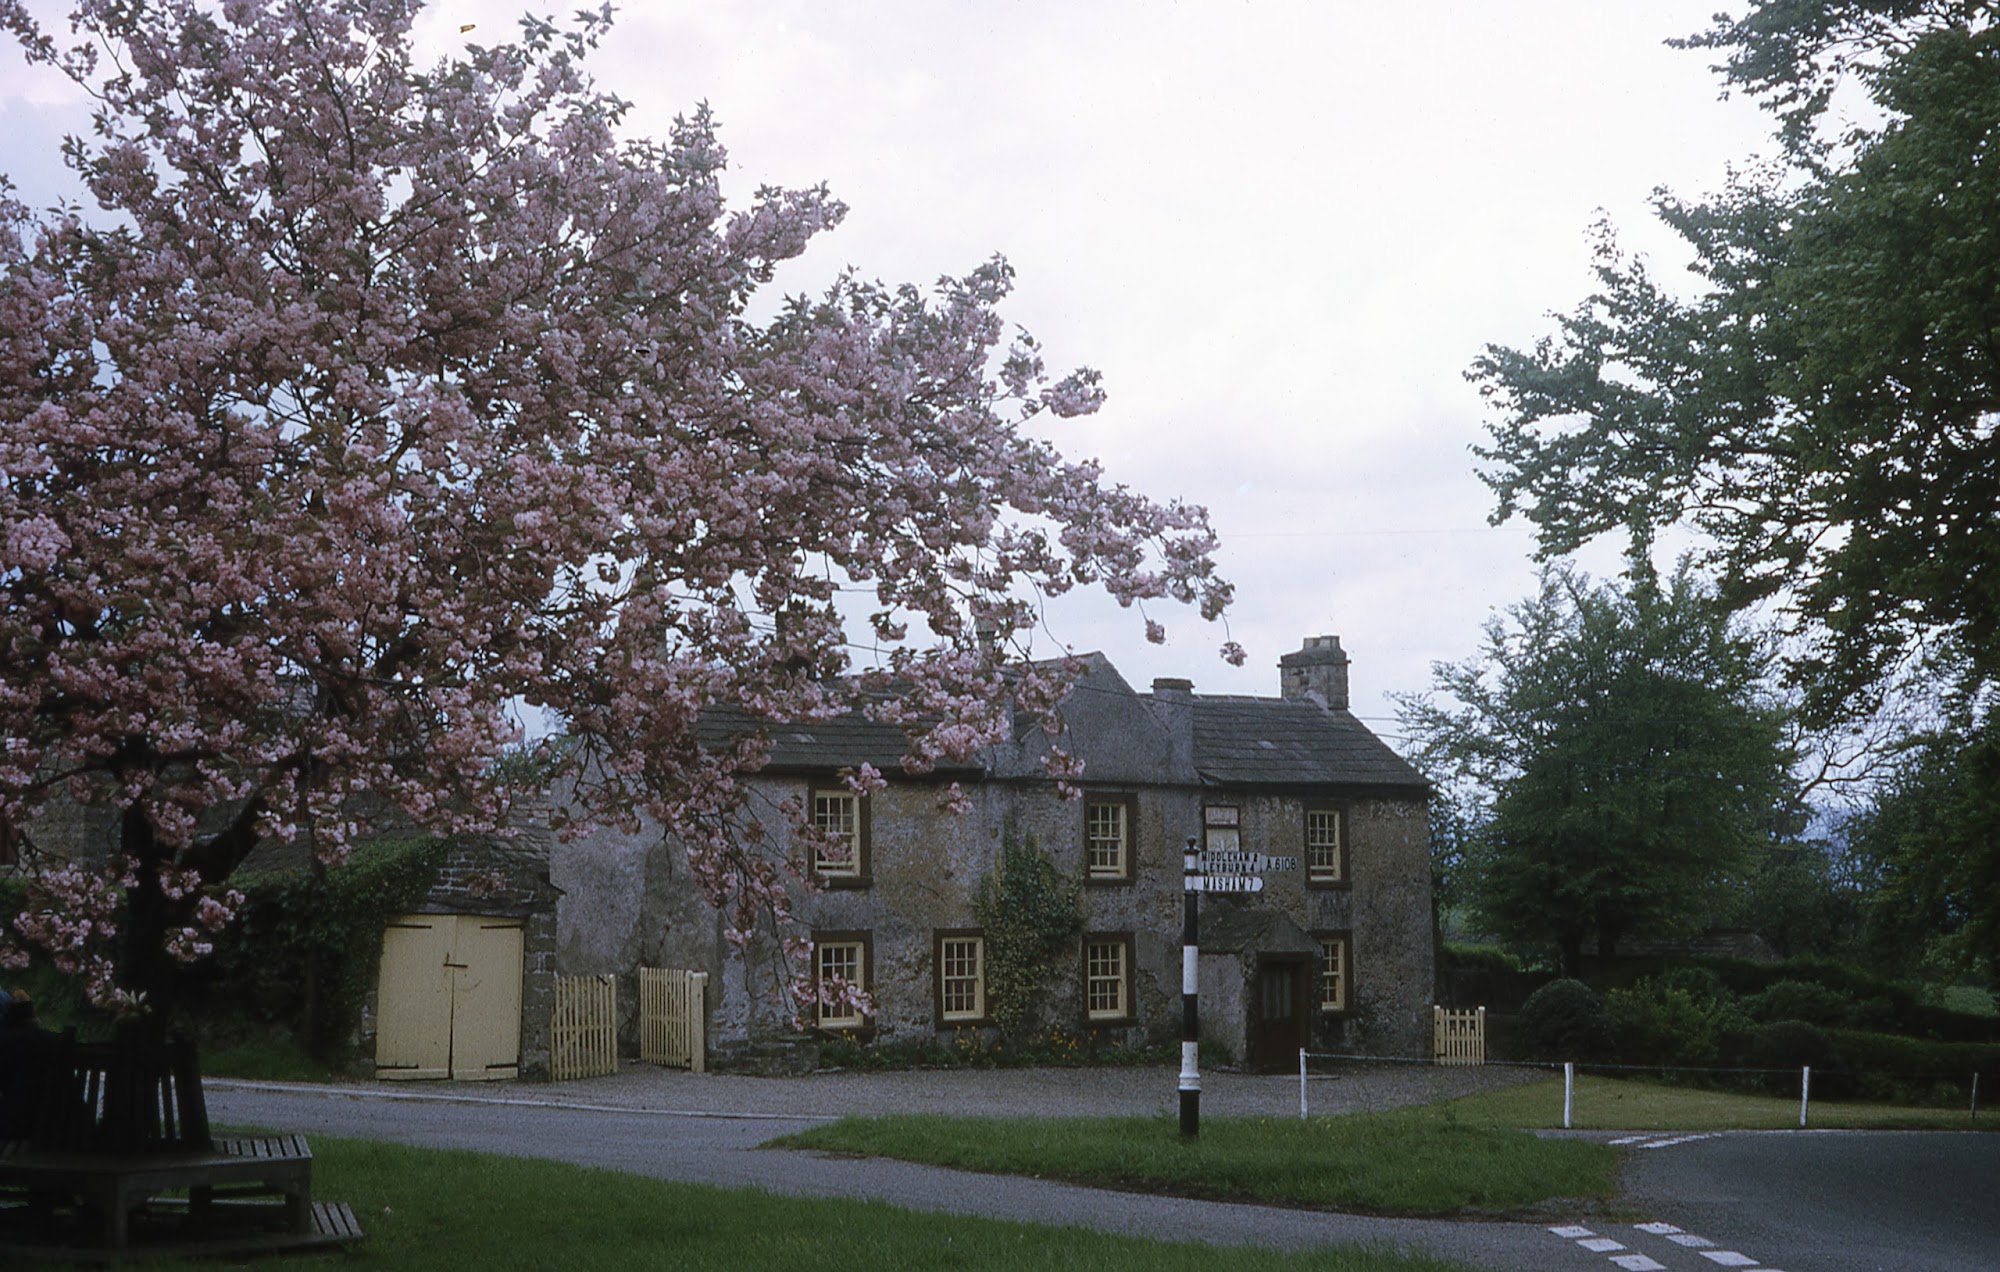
<point>999,1092</point>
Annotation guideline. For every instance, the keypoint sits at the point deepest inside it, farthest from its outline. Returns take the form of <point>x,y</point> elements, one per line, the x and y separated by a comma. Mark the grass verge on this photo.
<point>426,1209</point>
<point>1616,1104</point>
<point>1415,1162</point>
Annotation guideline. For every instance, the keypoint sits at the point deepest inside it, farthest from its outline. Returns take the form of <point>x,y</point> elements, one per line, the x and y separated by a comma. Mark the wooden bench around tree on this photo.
<point>120,1147</point>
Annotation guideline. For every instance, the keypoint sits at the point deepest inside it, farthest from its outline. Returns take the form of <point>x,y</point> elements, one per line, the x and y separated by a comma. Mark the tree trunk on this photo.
<point>145,967</point>
<point>1570,946</point>
<point>312,1007</point>
<point>1607,944</point>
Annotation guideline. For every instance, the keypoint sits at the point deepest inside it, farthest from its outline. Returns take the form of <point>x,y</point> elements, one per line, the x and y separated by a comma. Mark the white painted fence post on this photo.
<point>1975,1098</point>
<point>1805,1093</point>
<point>1302,1084</point>
<point>1569,1090</point>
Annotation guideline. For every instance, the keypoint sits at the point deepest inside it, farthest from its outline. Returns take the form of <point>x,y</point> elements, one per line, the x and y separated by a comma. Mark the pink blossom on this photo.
<point>330,457</point>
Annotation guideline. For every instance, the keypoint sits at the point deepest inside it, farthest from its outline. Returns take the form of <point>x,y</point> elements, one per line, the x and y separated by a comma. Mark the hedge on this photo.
<point>1892,1067</point>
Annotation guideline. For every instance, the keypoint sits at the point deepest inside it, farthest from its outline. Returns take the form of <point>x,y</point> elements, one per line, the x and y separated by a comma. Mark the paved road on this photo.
<point>1836,1200</point>
<point>707,1129</point>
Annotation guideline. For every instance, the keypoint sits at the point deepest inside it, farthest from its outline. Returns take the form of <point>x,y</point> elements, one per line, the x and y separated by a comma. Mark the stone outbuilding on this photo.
<point>1334,954</point>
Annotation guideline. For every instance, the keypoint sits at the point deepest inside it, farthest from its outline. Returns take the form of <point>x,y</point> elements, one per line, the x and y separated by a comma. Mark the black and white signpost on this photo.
<point>1215,871</point>
<point>1190,985</point>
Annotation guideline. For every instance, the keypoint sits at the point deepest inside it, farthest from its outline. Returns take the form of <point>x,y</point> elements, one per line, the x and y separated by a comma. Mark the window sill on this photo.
<point>836,882</point>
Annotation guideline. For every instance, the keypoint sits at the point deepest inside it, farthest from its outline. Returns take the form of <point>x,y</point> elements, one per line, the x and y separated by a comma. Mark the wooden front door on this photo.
<point>1278,1012</point>
<point>448,1004</point>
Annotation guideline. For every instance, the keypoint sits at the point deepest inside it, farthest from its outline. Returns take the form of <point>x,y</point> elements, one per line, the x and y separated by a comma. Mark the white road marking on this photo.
<point>1634,1261</point>
<point>1679,1139</point>
<point>1631,1139</point>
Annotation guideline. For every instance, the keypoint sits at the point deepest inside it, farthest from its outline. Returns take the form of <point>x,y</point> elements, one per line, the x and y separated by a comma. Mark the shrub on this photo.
<point>1679,1019</point>
<point>1802,1000</point>
<point>1478,958</point>
<point>305,950</point>
<point>1913,1070</point>
<point>1788,1046</point>
<point>1700,983</point>
<point>1564,1020</point>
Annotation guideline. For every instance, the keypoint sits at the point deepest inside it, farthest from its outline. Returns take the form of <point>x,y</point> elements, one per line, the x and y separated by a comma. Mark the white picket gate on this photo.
<point>1458,1037</point>
<point>583,1037</point>
<point>673,1018</point>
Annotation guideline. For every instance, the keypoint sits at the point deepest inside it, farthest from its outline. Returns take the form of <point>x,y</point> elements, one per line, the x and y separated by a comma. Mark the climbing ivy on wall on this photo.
<point>1032,915</point>
<point>307,945</point>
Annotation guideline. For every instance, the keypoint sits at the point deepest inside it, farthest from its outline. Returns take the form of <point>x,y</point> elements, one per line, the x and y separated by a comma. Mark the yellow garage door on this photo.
<point>448,1004</point>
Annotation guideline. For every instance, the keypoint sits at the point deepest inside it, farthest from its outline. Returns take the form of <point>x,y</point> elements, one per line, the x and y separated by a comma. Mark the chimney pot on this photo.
<point>1316,672</point>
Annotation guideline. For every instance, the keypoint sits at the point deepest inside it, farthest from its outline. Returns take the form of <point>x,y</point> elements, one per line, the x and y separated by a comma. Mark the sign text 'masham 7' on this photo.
<point>1223,883</point>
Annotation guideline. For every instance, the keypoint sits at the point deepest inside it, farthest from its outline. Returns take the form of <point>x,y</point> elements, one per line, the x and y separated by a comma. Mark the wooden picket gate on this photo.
<point>1458,1037</point>
<point>673,1018</point>
<point>583,1038</point>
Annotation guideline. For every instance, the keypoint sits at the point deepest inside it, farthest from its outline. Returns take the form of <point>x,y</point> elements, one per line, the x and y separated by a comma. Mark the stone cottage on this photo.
<point>1335,954</point>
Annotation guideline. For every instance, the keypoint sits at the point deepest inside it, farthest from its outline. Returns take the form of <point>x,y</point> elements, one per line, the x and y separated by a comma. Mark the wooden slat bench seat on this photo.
<point>118,1153</point>
<point>276,1172</point>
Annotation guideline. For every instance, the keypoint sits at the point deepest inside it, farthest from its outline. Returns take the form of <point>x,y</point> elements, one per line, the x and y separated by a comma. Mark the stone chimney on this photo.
<point>1316,673</point>
<point>1173,707</point>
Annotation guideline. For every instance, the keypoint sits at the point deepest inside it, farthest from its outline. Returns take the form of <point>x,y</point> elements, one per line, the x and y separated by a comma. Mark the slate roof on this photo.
<point>1267,741</point>
<point>841,742</point>
<point>1238,741</point>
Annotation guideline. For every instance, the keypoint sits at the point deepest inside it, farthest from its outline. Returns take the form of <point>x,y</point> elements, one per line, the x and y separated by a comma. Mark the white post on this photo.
<point>1569,1090</point>
<point>1975,1098</point>
<point>1302,1084</point>
<point>1805,1093</point>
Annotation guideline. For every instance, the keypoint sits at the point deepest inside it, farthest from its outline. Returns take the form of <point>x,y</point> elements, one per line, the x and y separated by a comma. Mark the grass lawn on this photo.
<point>1415,1162</point>
<point>1613,1104</point>
<point>424,1209</point>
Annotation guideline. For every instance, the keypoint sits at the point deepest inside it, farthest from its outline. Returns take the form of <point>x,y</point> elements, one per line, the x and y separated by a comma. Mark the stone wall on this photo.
<point>627,900</point>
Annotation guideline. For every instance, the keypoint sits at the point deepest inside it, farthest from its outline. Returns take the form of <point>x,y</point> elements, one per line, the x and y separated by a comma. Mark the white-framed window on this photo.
<point>1107,837</point>
<point>1335,971</point>
<point>840,818</point>
<point>1326,845</point>
<point>840,959</point>
<point>1222,828</point>
<point>961,977</point>
<point>1107,977</point>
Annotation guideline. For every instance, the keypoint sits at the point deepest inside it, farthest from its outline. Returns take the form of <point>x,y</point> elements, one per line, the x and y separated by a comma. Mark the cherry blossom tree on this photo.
<point>372,402</point>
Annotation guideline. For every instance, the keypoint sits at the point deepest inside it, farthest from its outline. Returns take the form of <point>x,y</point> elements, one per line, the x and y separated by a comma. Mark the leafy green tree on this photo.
<point>1802,898</point>
<point>1929,850</point>
<point>1626,752</point>
<point>1822,403</point>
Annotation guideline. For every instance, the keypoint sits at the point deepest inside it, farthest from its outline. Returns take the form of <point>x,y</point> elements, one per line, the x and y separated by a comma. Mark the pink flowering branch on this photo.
<point>382,400</point>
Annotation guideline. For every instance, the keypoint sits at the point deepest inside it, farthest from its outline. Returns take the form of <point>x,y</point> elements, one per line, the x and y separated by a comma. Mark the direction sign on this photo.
<point>1222,883</point>
<point>1243,862</point>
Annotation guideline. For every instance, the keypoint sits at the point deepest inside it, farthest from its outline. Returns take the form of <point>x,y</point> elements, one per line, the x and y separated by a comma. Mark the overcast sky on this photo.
<point>1280,230</point>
